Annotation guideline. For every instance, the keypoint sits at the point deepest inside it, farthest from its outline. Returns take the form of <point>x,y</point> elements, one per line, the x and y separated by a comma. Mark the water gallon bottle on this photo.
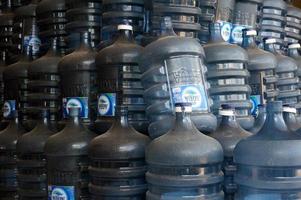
<point>31,163</point>
<point>268,162</point>
<point>67,160</point>
<point>228,134</point>
<point>6,29</point>
<point>122,12</point>
<point>44,84</point>
<point>51,20</point>
<point>288,82</point>
<point>262,67</point>
<point>184,163</point>
<point>273,21</point>
<point>290,118</point>
<point>224,16</point>
<point>16,87</point>
<point>8,157</point>
<point>184,15</point>
<point>118,162</point>
<point>174,71</point>
<point>293,52</point>
<point>208,9</point>
<point>228,76</point>
<point>83,16</point>
<point>260,119</point>
<point>79,84</point>
<point>118,70</point>
<point>25,30</point>
<point>246,15</point>
<point>292,27</point>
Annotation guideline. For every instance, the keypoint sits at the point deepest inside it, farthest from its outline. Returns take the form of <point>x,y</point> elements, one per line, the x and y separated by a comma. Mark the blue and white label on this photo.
<point>226,28</point>
<point>194,94</point>
<point>8,107</point>
<point>236,34</point>
<point>79,102</point>
<point>61,193</point>
<point>32,41</point>
<point>256,101</point>
<point>106,104</point>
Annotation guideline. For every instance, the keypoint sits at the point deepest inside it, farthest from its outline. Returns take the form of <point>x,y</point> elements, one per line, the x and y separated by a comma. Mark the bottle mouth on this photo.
<point>226,113</point>
<point>270,41</point>
<point>124,27</point>
<point>294,46</point>
<point>289,110</point>
<point>251,32</point>
<point>183,107</point>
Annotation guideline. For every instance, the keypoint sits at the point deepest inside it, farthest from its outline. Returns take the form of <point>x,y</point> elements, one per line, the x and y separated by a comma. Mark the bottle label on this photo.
<point>194,94</point>
<point>236,34</point>
<point>34,42</point>
<point>256,101</point>
<point>8,107</point>
<point>106,104</point>
<point>61,193</point>
<point>81,102</point>
<point>226,28</point>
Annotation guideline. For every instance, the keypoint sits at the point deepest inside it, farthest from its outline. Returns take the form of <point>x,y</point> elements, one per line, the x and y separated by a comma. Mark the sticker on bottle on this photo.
<point>226,28</point>
<point>256,101</point>
<point>80,102</point>
<point>236,34</point>
<point>194,94</point>
<point>8,107</point>
<point>106,104</point>
<point>34,42</point>
<point>61,193</point>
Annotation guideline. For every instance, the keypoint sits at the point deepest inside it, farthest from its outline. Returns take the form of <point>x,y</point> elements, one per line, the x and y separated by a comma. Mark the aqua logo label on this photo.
<point>78,102</point>
<point>226,28</point>
<point>255,100</point>
<point>32,41</point>
<point>193,94</point>
<point>106,104</point>
<point>61,193</point>
<point>8,107</point>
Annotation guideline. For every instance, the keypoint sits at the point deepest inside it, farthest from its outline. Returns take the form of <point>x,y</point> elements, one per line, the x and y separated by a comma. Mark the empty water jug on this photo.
<point>8,158</point>
<point>174,71</point>
<point>262,67</point>
<point>118,70</point>
<point>228,134</point>
<point>268,162</point>
<point>176,159</point>
<point>67,160</point>
<point>79,84</point>
<point>228,76</point>
<point>292,27</point>
<point>117,162</point>
<point>31,163</point>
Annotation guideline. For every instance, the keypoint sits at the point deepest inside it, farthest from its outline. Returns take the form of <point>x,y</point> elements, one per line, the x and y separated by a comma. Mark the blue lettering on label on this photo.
<point>106,104</point>
<point>194,94</point>
<point>80,102</point>
<point>61,193</point>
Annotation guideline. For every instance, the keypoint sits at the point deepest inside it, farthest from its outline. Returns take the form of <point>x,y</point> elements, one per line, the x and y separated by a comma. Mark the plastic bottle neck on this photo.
<point>27,53</point>
<point>215,33</point>
<point>270,47</point>
<point>293,53</point>
<point>167,28</point>
<point>229,121</point>
<point>85,40</point>
<point>8,5</point>
<point>125,35</point>
<point>54,50</point>
<point>248,41</point>
<point>183,121</point>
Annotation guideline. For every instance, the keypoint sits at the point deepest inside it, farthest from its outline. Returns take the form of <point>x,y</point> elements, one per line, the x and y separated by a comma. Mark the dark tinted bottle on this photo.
<point>121,150</point>
<point>32,173</point>
<point>228,134</point>
<point>44,84</point>
<point>176,159</point>
<point>262,67</point>
<point>268,162</point>
<point>118,70</point>
<point>67,160</point>
<point>8,158</point>
<point>228,76</point>
<point>78,78</point>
